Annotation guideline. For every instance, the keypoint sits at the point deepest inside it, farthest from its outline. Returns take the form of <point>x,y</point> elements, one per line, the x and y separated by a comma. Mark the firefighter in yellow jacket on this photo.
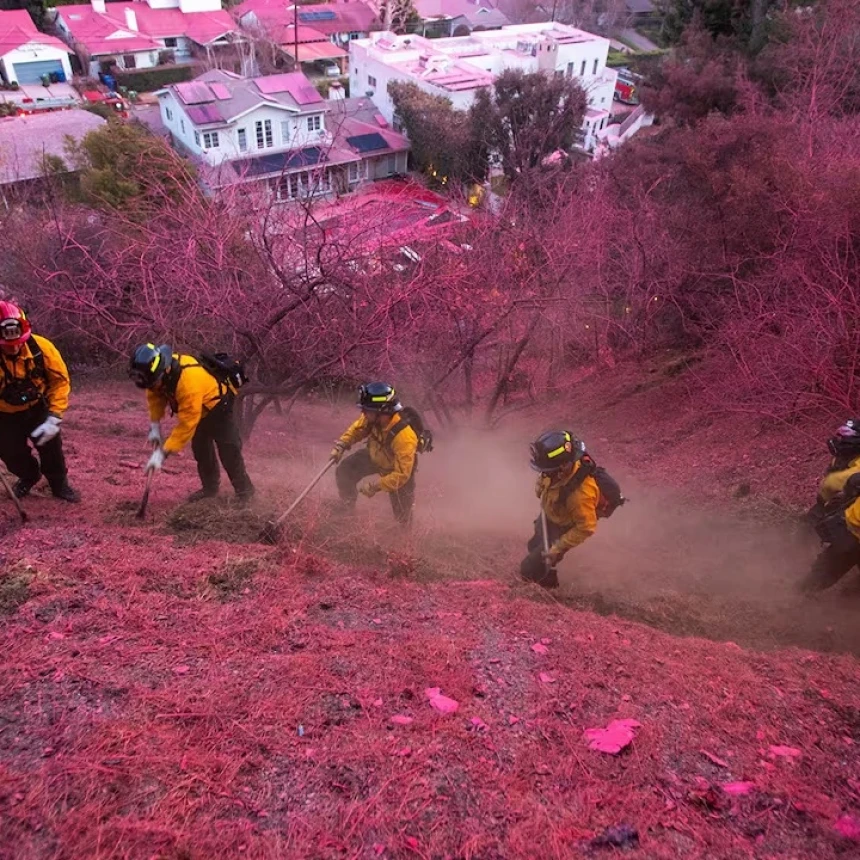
<point>570,500</point>
<point>34,394</point>
<point>390,454</point>
<point>204,409</point>
<point>844,447</point>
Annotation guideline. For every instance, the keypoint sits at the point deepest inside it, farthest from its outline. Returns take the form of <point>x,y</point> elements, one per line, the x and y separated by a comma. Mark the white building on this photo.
<point>143,33</point>
<point>279,131</point>
<point>26,54</point>
<point>458,67</point>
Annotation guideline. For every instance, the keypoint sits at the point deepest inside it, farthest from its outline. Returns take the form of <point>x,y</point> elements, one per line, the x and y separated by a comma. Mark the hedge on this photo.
<point>147,80</point>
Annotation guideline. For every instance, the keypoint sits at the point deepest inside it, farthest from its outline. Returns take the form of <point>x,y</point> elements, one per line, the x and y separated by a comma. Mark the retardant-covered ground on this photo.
<point>177,689</point>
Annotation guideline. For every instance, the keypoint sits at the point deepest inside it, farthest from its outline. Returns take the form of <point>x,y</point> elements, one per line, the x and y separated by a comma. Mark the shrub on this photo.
<point>147,80</point>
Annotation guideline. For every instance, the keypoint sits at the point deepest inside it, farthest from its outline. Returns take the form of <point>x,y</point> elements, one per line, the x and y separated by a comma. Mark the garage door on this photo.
<point>31,73</point>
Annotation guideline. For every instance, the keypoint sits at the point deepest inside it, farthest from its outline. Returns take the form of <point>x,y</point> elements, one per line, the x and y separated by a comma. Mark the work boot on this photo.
<point>245,497</point>
<point>343,508</point>
<point>67,493</point>
<point>202,493</point>
<point>22,488</point>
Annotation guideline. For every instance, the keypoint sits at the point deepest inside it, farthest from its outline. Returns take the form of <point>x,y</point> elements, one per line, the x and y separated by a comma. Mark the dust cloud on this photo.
<point>664,559</point>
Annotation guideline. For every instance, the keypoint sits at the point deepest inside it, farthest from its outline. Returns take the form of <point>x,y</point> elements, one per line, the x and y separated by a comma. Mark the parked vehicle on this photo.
<point>627,87</point>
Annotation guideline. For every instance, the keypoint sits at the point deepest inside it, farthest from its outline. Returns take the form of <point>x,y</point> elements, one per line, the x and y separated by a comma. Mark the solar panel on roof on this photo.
<point>281,161</point>
<point>221,92</point>
<point>204,114</point>
<point>318,15</point>
<point>294,83</point>
<point>367,142</point>
<point>194,92</point>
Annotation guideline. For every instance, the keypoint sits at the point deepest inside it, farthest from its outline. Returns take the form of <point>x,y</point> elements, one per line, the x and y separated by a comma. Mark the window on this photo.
<point>197,137</point>
<point>129,61</point>
<point>356,171</point>
<point>182,125</point>
<point>168,113</point>
<point>582,70</point>
<point>596,64</point>
<point>264,134</point>
<point>315,122</point>
<point>170,43</point>
<point>570,70</point>
<point>286,132</point>
<point>210,140</point>
<point>371,81</point>
<point>242,137</point>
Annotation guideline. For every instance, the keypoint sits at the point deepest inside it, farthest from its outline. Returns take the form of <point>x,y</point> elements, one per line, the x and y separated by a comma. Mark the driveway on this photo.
<point>642,43</point>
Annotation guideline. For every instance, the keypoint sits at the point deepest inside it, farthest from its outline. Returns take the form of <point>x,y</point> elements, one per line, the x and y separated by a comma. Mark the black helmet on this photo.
<point>846,441</point>
<point>555,449</point>
<point>148,364</point>
<point>378,397</point>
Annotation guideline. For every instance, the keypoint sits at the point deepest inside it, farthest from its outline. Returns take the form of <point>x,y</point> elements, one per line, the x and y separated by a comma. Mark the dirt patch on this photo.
<point>15,587</point>
<point>233,578</point>
<point>216,519</point>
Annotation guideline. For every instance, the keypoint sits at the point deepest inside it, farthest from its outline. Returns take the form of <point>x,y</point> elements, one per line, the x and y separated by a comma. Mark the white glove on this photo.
<point>154,437</point>
<point>46,431</point>
<point>156,461</point>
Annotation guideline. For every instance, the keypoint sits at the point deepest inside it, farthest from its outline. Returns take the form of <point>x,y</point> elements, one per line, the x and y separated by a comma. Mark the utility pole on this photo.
<point>298,67</point>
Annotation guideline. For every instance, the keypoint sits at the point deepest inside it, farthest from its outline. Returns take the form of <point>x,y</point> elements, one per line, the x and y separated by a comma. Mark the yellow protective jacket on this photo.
<point>834,482</point>
<point>56,386</point>
<point>852,518</point>
<point>197,394</point>
<point>576,514</point>
<point>394,457</point>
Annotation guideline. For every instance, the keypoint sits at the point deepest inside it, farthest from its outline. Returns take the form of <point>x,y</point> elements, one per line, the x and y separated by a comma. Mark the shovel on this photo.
<point>544,530</point>
<point>271,531</point>
<point>21,512</point>
<point>141,511</point>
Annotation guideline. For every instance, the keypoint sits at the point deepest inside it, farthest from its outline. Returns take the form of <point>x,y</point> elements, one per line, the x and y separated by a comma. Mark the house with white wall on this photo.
<point>143,33</point>
<point>277,132</point>
<point>26,54</point>
<point>457,68</point>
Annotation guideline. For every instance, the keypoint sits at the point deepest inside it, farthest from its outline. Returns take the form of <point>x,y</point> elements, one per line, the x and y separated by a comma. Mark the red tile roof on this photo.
<point>351,17</point>
<point>109,33</point>
<point>17,29</point>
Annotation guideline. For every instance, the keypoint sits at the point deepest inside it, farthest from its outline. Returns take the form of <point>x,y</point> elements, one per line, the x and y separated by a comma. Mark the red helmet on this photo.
<point>14,325</point>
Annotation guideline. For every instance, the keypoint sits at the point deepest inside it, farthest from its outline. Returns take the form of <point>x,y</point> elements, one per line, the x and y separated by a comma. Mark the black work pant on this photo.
<point>17,448</point>
<point>830,566</point>
<point>533,568</point>
<point>359,465</point>
<point>219,430</point>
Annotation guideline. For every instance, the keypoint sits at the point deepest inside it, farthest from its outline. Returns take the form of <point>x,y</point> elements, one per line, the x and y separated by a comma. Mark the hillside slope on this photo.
<point>176,689</point>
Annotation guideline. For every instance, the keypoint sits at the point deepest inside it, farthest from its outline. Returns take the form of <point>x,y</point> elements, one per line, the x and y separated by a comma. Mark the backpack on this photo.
<point>410,417</point>
<point>228,372</point>
<point>611,496</point>
<point>226,369</point>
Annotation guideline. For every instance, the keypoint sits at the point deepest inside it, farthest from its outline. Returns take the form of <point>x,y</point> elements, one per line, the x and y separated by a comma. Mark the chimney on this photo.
<point>99,6</point>
<point>131,19</point>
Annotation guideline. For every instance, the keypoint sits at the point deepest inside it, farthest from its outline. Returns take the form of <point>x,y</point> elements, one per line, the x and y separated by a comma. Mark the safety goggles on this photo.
<point>11,329</point>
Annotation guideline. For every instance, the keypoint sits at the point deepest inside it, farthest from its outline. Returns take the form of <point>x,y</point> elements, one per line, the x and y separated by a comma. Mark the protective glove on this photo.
<point>47,430</point>
<point>552,556</point>
<point>154,437</point>
<point>156,461</point>
<point>337,452</point>
<point>369,489</point>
